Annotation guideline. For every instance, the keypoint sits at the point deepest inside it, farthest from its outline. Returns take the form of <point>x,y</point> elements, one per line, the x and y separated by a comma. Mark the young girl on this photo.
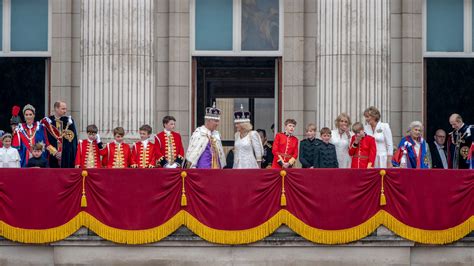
<point>9,157</point>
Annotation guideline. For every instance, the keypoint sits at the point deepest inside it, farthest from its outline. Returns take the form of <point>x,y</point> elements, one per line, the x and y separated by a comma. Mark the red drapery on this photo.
<point>330,206</point>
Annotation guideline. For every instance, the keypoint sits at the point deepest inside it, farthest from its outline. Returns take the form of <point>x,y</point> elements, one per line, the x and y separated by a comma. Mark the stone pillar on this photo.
<point>352,59</point>
<point>118,78</point>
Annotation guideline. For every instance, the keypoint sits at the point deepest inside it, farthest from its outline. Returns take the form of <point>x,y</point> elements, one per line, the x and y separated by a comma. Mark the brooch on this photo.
<point>379,130</point>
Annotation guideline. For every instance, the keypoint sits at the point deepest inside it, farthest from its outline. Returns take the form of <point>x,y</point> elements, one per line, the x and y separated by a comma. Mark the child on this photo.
<point>169,151</point>
<point>9,157</point>
<point>308,148</point>
<point>143,151</point>
<point>88,150</point>
<point>362,148</point>
<point>117,154</point>
<point>285,147</point>
<point>37,161</point>
<point>326,151</point>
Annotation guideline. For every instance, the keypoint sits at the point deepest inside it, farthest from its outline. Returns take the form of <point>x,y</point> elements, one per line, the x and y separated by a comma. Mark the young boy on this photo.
<point>88,150</point>
<point>326,151</point>
<point>308,148</point>
<point>143,151</point>
<point>117,154</point>
<point>9,157</point>
<point>169,151</point>
<point>362,148</point>
<point>37,161</point>
<point>285,147</point>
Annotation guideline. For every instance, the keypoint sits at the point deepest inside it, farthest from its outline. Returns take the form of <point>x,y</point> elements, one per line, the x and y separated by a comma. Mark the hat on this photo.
<point>15,120</point>
<point>29,107</point>
<point>213,112</point>
<point>241,116</point>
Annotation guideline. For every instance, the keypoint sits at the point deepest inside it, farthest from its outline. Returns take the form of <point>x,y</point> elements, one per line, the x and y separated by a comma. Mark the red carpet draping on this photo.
<point>330,206</point>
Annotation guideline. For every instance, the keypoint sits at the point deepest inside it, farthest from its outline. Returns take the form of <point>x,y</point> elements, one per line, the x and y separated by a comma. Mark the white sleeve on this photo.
<point>257,145</point>
<point>388,139</point>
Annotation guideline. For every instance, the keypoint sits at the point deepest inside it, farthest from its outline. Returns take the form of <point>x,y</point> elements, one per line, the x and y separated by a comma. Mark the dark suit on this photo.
<point>436,157</point>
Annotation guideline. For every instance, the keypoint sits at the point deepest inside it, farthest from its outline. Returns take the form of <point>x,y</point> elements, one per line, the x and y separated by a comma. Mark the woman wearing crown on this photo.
<point>205,147</point>
<point>28,134</point>
<point>248,149</point>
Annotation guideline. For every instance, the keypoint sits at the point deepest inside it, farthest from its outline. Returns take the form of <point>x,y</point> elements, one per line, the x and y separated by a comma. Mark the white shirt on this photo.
<point>383,141</point>
<point>342,141</point>
<point>9,158</point>
<point>442,155</point>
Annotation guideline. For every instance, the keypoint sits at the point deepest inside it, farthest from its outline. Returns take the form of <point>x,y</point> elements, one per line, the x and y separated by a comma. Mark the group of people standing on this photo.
<point>53,142</point>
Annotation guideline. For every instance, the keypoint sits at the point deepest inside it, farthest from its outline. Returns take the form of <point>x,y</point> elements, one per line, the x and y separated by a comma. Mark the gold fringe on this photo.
<point>332,236</point>
<point>39,236</point>
<point>233,237</point>
<point>134,236</point>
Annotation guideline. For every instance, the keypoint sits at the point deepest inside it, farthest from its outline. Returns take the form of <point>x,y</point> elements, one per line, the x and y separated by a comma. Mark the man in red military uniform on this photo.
<point>88,150</point>
<point>143,151</point>
<point>117,154</point>
<point>362,148</point>
<point>285,147</point>
<point>169,151</point>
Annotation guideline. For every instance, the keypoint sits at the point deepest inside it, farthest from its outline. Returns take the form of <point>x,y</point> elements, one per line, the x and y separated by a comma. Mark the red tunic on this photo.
<point>285,150</point>
<point>169,149</point>
<point>144,158</point>
<point>363,155</point>
<point>116,156</point>
<point>88,154</point>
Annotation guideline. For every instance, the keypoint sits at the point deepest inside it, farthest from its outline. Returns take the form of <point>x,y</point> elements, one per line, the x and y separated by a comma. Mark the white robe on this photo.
<point>198,143</point>
<point>384,142</point>
<point>247,150</point>
<point>342,148</point>
<point>9,158</point>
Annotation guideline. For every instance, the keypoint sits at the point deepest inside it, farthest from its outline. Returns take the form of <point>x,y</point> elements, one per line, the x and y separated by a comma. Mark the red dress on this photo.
<point>117,155</point>
<point>169,149</point>
<point>363,154</point>
<point>88,154</point>
<point>143,157</point>
<point>285,150</point>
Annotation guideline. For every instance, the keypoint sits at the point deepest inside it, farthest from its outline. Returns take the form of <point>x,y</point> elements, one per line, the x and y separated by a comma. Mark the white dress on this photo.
<point>384,142</point>
<point>247,150</point>
<point>342,147</point>
<point>9,158</point>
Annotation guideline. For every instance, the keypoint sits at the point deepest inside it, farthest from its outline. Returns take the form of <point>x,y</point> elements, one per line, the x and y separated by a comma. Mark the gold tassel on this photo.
<point>383,200</point>
<point>283,196</point>
<point>283,200</point>
<point>83,198</point>
<point>184,200</point>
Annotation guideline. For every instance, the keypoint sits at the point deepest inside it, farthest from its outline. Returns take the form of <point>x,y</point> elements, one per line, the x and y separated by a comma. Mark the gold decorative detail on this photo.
<point>464,152</point>
<point>68,134</point>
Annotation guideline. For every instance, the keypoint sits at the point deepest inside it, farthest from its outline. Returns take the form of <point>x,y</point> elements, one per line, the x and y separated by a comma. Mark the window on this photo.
<point>26,28</point>
<point>236,27</point>
<point>445,26</point>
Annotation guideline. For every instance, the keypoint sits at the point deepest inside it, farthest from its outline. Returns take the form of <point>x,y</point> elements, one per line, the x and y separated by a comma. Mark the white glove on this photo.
<point>97,138</point>
<point>174,165</point>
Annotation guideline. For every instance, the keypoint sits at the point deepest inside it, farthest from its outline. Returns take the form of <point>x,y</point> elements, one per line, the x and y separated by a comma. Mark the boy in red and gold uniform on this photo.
<point>117,154</point>
<point>285,147</point>
<point>362,148</point>
<point>169,151</point>
<point>88,150</point>
<point>143,151</point>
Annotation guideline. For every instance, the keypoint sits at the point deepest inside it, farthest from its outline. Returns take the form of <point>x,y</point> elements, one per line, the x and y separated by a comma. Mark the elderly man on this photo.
<point>459,143</point>
<point>205,147</point>
<point>438,150</point>
<point>62,137</point>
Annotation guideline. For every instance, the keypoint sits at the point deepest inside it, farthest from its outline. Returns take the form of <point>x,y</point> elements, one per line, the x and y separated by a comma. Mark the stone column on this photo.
<point>352,59</point>
<point>117,51</point>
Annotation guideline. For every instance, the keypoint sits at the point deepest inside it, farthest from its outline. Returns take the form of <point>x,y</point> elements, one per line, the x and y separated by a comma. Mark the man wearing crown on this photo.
<point>205,147</point>
<point>169,149</point>
<point>62,136</point>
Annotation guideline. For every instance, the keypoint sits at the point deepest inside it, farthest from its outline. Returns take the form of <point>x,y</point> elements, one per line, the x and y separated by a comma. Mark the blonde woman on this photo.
<point>383,137</point>
<point>341,137</point>
<point>248,149</point>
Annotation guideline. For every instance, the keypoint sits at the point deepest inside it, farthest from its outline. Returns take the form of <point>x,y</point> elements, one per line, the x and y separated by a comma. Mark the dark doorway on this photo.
<point>450,89</point>
<point>234,81</point>
<point>22,81</point>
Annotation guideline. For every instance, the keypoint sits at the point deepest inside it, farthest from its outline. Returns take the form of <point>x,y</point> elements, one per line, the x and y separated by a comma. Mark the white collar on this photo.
<point>167,132</point>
